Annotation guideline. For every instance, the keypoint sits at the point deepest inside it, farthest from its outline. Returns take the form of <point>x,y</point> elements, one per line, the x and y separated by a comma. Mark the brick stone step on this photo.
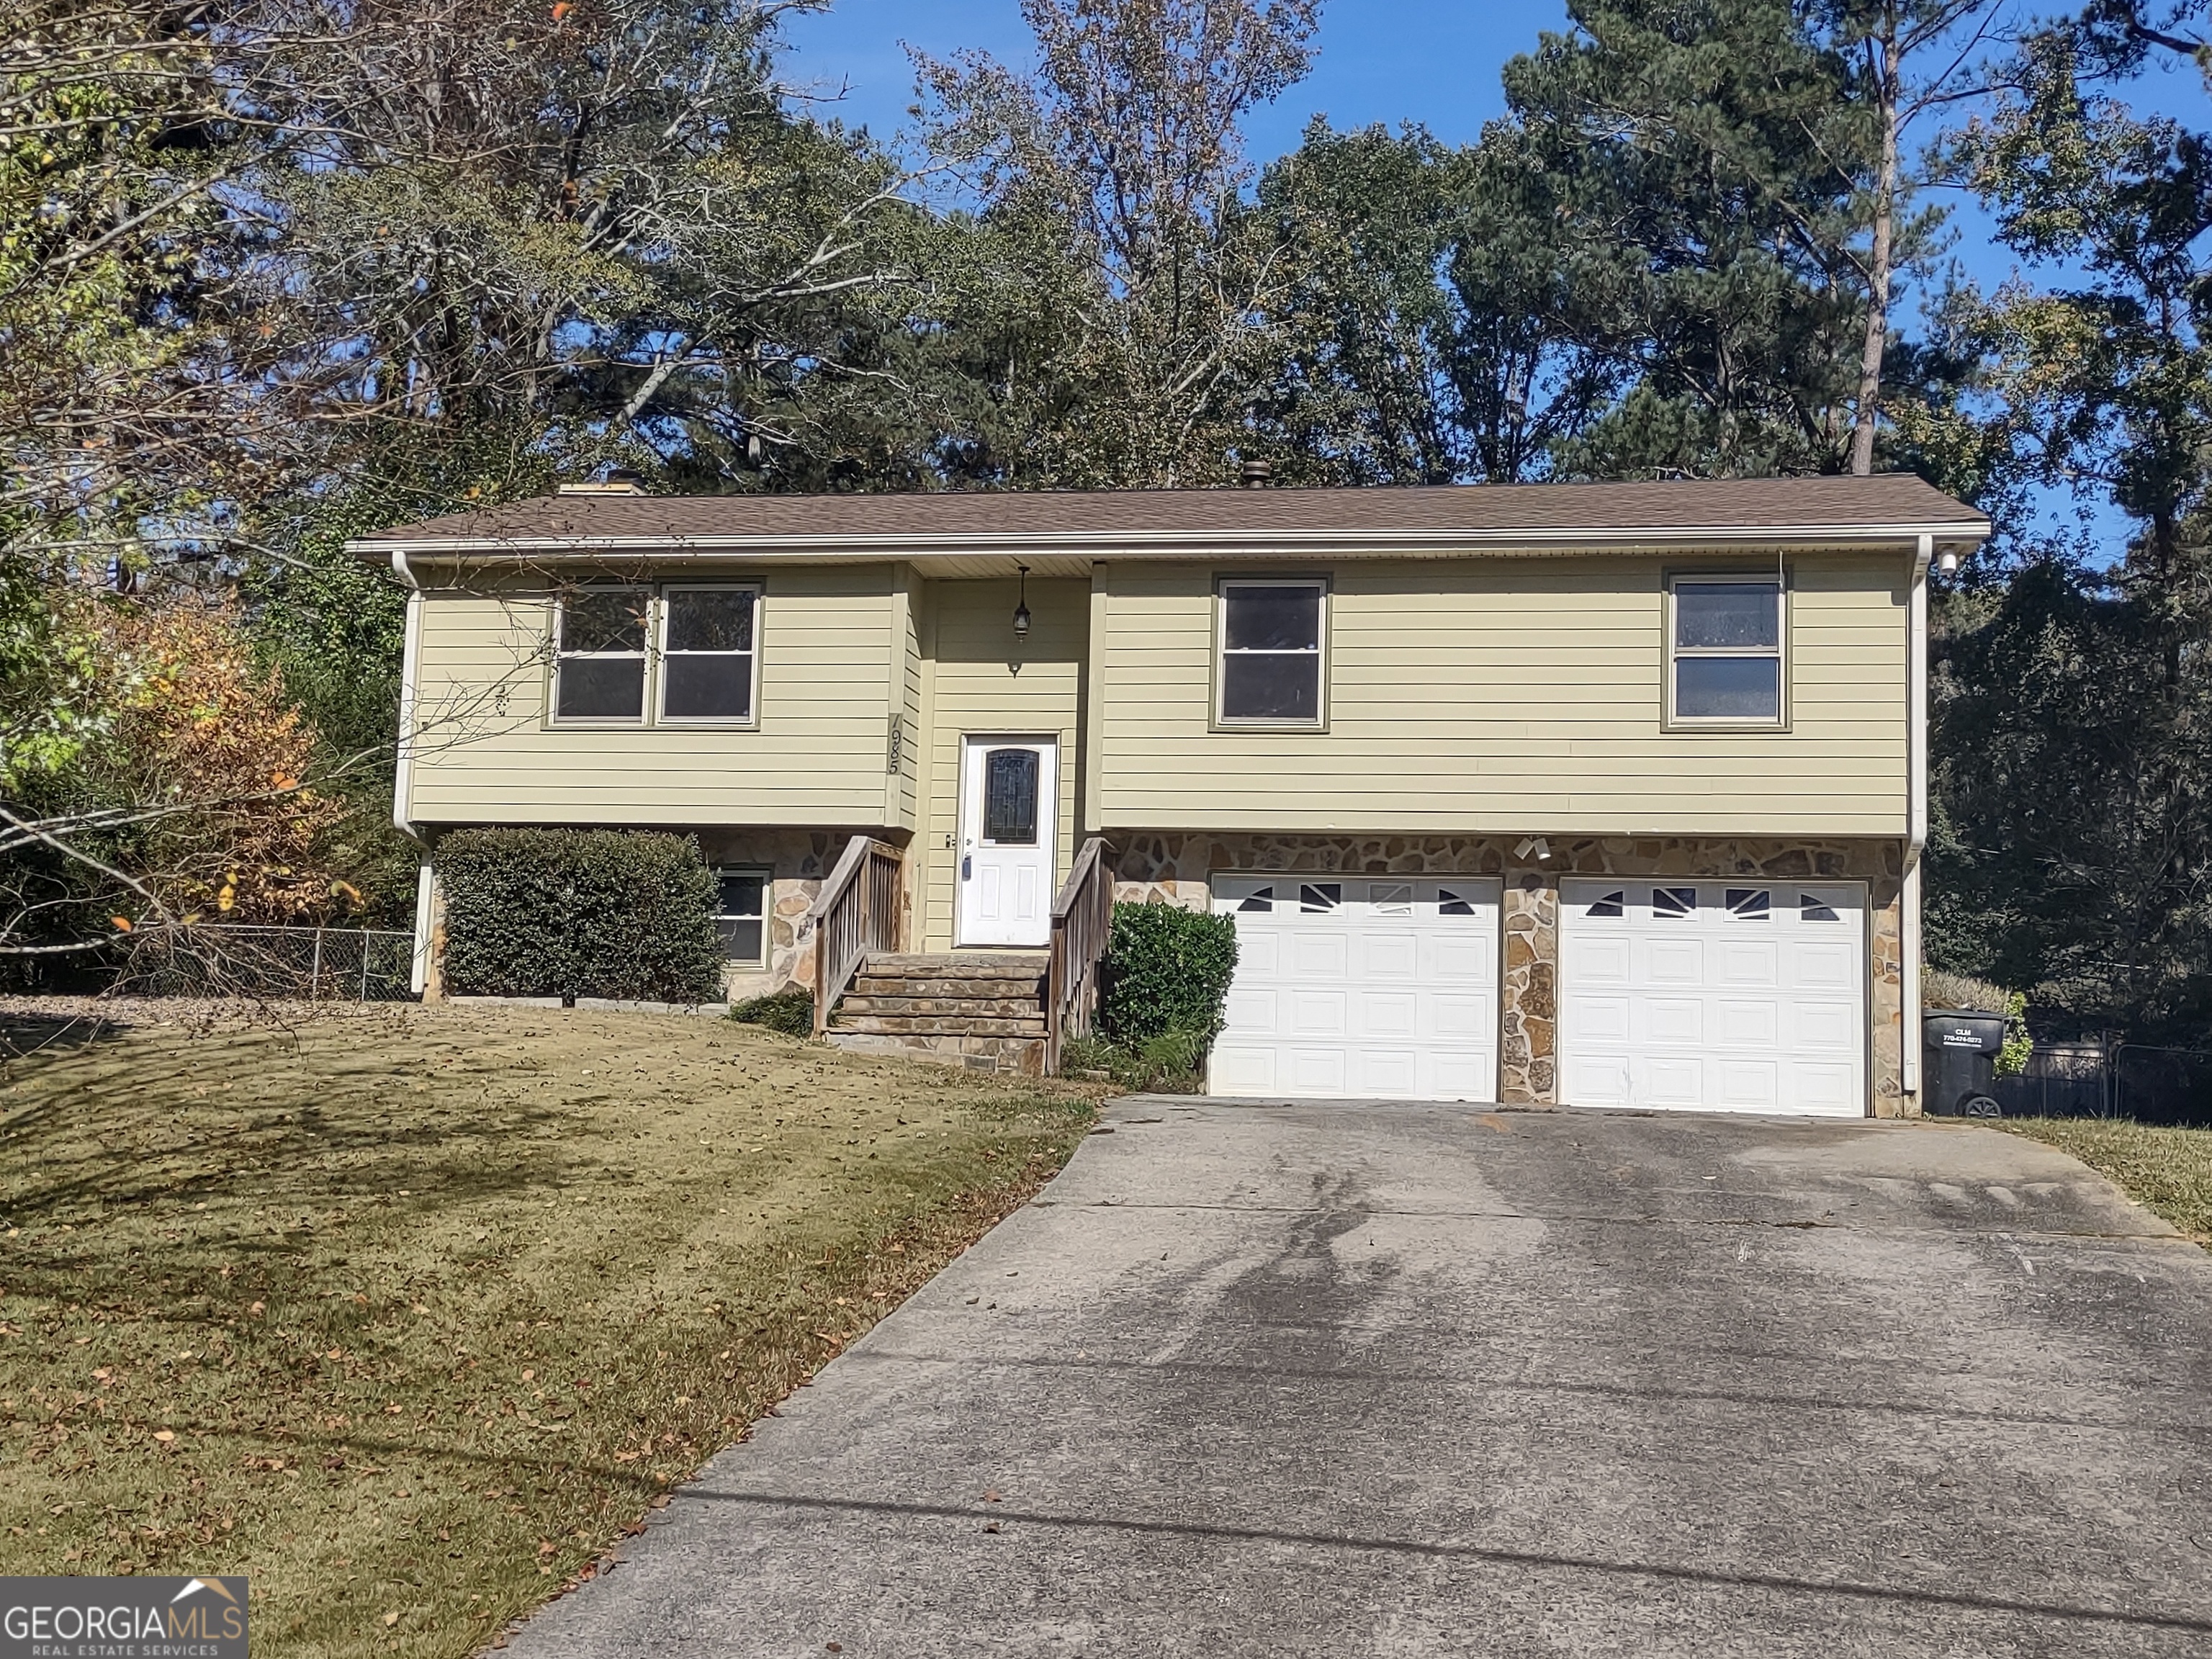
<point>956,967</point>
<point>963,1007</point>
<point>936,1025</point>
<point>1024,1056</point>
<point>947,990</point>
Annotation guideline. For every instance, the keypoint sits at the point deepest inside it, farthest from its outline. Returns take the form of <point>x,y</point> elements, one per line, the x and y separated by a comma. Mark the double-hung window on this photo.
<point>598,654</point>
<point>1725,651</point>
<point>741,916</point>
<point>708,659</point>
<point>1272,633</point>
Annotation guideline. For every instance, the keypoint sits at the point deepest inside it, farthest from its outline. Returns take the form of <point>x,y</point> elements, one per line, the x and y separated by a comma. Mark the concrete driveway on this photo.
<point>1367,1379</point>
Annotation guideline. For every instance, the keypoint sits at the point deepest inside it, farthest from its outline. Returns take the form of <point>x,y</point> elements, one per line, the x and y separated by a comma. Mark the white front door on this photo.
<point>1743,994</point>
<point>1348,986</point>
<point>1008,788</point>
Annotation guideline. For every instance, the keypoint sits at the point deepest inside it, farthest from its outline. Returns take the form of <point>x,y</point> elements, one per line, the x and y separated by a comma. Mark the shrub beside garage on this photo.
<point>1163,991</point>
<point>579,913</point>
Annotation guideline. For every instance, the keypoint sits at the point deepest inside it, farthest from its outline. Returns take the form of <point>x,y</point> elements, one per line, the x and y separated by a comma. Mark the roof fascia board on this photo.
<point>1180,544</point>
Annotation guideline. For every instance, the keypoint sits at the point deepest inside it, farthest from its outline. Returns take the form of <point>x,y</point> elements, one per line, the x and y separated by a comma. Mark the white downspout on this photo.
<point>403,772</point>
<point>1915,833</point>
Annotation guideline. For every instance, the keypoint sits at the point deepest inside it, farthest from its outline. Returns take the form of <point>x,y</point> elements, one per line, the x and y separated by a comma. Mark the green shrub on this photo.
<point>579,913</point>
<point>1172,1063</point>
<point>790,1010</point>
<point>1166,970</point>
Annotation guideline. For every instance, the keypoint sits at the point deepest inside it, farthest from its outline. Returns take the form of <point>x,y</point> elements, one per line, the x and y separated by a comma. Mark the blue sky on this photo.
<point>1435,62</point>
<point>1431,61</point>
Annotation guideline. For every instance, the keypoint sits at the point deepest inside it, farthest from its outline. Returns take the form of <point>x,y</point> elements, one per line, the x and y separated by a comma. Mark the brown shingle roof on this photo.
<point>1798,507</point>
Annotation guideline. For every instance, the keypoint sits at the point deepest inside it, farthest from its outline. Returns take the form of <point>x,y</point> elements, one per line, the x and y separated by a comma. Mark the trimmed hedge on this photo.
<point>579,913</point>
<point>1166,970</point>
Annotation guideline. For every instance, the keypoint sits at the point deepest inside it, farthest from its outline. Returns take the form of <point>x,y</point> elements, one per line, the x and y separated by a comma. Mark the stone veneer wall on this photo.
<point>1176,868</point>
<point>798,860</point>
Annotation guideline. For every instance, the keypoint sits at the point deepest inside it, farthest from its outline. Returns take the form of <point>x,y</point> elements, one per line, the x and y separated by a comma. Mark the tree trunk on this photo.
<point>1882,57</point>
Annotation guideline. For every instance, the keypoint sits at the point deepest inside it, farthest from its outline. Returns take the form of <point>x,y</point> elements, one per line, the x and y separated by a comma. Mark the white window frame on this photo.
<point>560,654</point>
<point>662,653</point>
<point>1779,653</point>
<point>767,917</point>
<point>1223,721</point>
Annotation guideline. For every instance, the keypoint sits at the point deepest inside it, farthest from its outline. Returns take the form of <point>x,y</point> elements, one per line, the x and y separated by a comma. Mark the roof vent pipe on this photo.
<point>1258,472</point>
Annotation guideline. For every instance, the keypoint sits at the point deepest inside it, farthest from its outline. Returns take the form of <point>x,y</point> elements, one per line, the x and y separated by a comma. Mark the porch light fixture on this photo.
<point>1947,561</point>
<point>1535,844</point>
<point>1022,605</point>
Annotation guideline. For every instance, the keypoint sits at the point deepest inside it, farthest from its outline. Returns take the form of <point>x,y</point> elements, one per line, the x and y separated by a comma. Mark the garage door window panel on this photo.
<point>1271,638</point>
<point>1726,651</point>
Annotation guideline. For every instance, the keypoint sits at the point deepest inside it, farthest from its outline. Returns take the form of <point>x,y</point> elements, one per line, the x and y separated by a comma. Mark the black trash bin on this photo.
<point>1960,1052</point>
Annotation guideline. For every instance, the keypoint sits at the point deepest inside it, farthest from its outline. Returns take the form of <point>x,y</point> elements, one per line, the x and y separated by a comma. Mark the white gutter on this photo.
<point>1916,812</point>
<point>403,770</point>
<point>1168,543</point>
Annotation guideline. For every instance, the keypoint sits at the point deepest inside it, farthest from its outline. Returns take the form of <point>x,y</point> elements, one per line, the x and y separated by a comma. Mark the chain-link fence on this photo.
<point>346,964</point>
<point>2133,1080</point>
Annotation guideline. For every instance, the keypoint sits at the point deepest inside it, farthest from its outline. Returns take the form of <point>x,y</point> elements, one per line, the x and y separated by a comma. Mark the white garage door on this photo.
<point>1363,987</point>
<point>1714,996</point>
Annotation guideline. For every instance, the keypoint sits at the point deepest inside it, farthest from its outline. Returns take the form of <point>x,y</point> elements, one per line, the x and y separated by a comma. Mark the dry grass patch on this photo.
<point>2169,1171</point>
<point>410,1313</point>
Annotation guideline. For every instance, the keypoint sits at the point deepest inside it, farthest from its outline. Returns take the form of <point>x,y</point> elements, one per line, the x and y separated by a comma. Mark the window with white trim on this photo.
<point>1270,670</point>
<point>741,900</point>
<point>1725,651</point>
<point>707,656</point>
<point>598,654</point>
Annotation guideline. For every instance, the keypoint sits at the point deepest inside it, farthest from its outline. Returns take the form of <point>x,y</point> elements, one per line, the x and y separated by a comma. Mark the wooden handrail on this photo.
<point>1082,919</point>
<point>855,915</point>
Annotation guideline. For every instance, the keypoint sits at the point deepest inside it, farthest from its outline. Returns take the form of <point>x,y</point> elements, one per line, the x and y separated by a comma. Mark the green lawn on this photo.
<point>2170,1170</point>
<point>410,1313</point>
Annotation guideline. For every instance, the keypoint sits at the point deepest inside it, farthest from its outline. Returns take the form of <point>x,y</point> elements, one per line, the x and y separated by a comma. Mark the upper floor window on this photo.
<point>707,657</point>
<point>1725,651</point>
<point>1271,652</point>
<point>598,654</point>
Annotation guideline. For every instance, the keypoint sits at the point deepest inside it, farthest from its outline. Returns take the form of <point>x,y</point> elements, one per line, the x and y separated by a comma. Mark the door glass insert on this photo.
<point>1747,903</point>
<point>1812,908</point>
<point>1608,908</point>
<point>1449,903</point>
<point>1010,797</point>
<point>1394,900</point>
<point>1673,901</point>
<point>1315,897</point>
<point>1261,899</point>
